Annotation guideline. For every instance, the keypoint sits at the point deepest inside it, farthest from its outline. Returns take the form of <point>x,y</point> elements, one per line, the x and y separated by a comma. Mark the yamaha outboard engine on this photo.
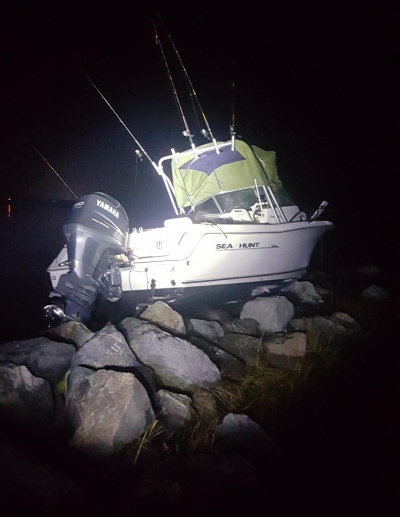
<point>96,230</point>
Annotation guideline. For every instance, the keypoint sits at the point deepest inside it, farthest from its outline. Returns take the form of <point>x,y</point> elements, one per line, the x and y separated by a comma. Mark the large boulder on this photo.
<point>375,293</point>
<point>336,329</point>
<point>228,365</point>
<point>205,404</point>
<point>177,364</point>
<point>42,357</point>
<point>303,293</point>
<point>200,484</point>
<point>33,487</point>
<point>210,330</point>
<point>346,321</point>
<point>286,350</point>
<point>217,315</point>
<point>248,326</point>
<point>175,410</point>
<point>107,347</point>
<point>368,271</point>
<point>272,313</point>
<point>25,400</point>
<point>246,348</point>
<point>163,315</point>
<point>241,434</point>
<point>108,409</point>
<point>74,332</point>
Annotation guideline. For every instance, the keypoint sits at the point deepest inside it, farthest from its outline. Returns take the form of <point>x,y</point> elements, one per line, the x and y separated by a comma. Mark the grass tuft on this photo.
<point>146,440</point>
<point>195,438</point>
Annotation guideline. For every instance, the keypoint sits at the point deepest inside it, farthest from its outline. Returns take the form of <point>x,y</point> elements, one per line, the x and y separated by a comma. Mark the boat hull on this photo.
<point>186,258</point>
<point>212,255</point>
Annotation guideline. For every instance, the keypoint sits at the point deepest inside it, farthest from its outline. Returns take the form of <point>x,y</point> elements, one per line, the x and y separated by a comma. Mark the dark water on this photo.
<point>29,241</point>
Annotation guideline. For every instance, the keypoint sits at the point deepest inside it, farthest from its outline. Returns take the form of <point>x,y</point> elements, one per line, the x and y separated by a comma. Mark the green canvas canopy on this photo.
<point>197,178</point>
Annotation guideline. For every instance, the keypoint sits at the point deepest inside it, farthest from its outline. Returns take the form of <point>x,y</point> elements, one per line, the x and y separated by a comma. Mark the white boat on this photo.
<point>235,225</point>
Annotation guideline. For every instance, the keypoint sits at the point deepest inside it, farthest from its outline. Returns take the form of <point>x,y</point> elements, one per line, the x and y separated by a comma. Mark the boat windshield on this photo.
<point>225,202</point>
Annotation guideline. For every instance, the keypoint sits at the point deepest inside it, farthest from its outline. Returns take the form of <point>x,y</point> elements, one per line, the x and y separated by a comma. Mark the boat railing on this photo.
<point>273,201</point>
<point>174,156</point>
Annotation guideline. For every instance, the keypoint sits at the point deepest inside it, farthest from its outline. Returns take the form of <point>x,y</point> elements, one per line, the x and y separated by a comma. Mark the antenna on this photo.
<point>175,94</point>
<point>203,131</point>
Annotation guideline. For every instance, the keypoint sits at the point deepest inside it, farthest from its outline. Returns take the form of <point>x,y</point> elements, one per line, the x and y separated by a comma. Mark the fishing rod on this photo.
<point>137,152</point>
<point>175,94</point>
<point>207,133</point>
<point>51,167</point>
<point>232,126</point>
<point>153,163</point>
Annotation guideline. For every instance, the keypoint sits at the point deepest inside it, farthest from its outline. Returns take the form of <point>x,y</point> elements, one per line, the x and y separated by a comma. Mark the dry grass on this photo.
<point>264,393</point>
<point>318,341</point>
<point>195,438</point>
<point>258,393</point>
<point>146,440</point>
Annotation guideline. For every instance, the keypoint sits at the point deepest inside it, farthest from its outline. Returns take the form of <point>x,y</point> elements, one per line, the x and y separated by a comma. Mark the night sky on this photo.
<point>313,81</point>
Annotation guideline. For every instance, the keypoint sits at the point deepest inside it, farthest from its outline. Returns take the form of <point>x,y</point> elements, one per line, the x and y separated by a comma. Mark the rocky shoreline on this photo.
<point>181,412</point>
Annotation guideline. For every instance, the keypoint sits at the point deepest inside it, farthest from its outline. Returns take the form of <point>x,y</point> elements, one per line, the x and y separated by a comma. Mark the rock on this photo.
<point>260,290</point>
<point>162,314</point>
<point>206,406</point>
<point>329,329</point>
<point>25,400</point>
<point>218,315</point>
<point>368,271</point>
<point>177,364</point>
<point>109,409</point>
<point>302,293</point>
<point>201,484</point>
<point>73,332</point>
<point>286,350</point>
<point>375,293</point>
<point>42,357</point>
<point>108,347</point>
<point>33,488</point>
<point>346,321</point>
<point>75,393</point>
<point>227,364</point>
<point>323,292</point>
<point>317,324</point>
<point>234,308</point>
<point>273,313</point>
<point>241,434</point>
<point>319,278</point>
<point>175,410</point>
<point>247,348</point>
<point>248,326</point>
<point>210,330</point>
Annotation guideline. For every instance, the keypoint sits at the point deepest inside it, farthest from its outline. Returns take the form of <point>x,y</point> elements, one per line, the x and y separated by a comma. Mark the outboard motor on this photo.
<point>96,230</point>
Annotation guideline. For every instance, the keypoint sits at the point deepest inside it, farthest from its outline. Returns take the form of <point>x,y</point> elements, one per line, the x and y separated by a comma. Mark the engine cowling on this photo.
<point>96,230</point>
